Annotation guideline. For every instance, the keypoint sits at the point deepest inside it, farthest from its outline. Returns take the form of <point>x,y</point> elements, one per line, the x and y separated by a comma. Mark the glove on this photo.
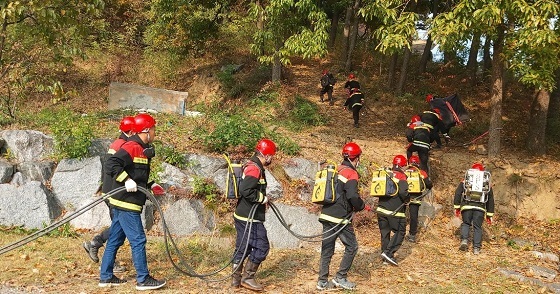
<point>265,201</point>
<point>457,212</point>
<point>489,220</point>
<point>130,185</point>
<point>157,189</point>
<point>367,207</point>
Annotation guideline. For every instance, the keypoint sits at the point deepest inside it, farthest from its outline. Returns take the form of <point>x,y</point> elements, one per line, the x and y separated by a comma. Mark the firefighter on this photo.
<point>129,167</point>
<point>414,122</point>
<point>444,130</point>
<point>327,86</point>
<point>473,213</point>
<point>252,191</point>
<point>92,247</point>
<point>351,83</point>
<point>391,215</point>
<point>416,197</point>
<point>335,214</point>
<point>432,120</point>
<point>420,144</point>
<point>354,103</point>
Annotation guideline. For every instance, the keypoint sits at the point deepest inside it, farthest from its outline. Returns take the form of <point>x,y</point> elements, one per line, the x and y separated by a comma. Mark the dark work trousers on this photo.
<point>423,154</point>
<point>258,242</point>
<point>102,237</point>
<point>328,90</point>
<point>396,225</point>
<point>356,113</point>
<point>413,209</point>
<point>348,238</point>
<point>472,217</point>
<point>434,136</point>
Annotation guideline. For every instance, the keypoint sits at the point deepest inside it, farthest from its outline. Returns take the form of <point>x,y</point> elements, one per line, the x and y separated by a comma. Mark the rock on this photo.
<point>28,145</point>
<point>187,216</point>
<point>41,171</point>
<point>6,171</point>
<point>543,272</point>
<point>298,219</point>
<point>75,180</point>
<point>30,205</point>
<point>546,256</point>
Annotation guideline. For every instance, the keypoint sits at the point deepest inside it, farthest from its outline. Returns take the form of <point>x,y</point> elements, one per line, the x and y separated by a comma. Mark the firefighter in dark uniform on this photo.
<point>414,122</point>
<point>420,144</point>
<point>351,83</point>
<point>416,198</point>
<point>92,247</point>
<point>473,214</point>
<point>391,215</point>
<point>354,103</point>
<point>337,214</point>
<point>129,167</point>
<point>252,191</point>
<point>432,120</point>
<point>327,86</point>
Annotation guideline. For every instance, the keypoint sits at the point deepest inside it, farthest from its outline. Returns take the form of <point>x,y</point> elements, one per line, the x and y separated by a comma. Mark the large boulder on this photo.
<point>299,221</point>
<point>187,216</point>
<point>95,218</point>
<point>204,166</point>
<point>75,180</point>
<point>30,205</point>
<point>27,145</point>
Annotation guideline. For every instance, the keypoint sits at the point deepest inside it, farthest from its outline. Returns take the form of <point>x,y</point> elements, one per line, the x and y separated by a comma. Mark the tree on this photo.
<point>522,34</point>
<point>291,28</point>
<point>398,26</point>
<point>38,41</point>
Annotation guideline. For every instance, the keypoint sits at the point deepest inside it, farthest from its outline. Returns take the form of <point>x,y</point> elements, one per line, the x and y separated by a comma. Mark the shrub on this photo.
<point>303,113</point>
<point>231,131</point>
<point>72,132</point>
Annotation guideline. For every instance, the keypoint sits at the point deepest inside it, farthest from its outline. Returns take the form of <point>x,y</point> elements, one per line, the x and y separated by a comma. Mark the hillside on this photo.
<point>433,265</point>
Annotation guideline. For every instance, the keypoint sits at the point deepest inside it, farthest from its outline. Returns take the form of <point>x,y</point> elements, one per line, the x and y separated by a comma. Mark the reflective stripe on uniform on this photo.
<point>241,218</point>
<point>342,179</point>
<point>140,160</point>
<point>333,219</point>
<point>122,176</point>
<point>489,214</point>
<point>112,151</point>
<point>421,144</point>
<point>390,213</point>
<point>467,207</point>
<point>125,205</point>
<point>429,126</point>
<point>356,104</point>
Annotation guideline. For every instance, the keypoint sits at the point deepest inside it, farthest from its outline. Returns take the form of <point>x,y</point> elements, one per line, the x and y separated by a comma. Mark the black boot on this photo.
<point>248,279</point>
<point>92,248</point>
<point>236,277</point>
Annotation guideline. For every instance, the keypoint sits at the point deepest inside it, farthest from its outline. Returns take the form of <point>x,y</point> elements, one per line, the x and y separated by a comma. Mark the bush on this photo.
<point>72,132</point>
<point>303,113</point>
<point>231,131</point>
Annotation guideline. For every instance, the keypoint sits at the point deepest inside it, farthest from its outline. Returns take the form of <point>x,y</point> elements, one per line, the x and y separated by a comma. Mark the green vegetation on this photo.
<point>303,113</point>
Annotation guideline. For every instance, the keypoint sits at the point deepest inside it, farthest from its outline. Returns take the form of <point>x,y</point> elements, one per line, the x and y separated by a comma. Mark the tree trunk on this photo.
<point>260,26</point>
<point>427,55</point>
<point>334,28</point>
<point>553,117</point>
<point>536,136</point>
<point>496,98</point>
<point>392,71</point>
<point>486,59</point>
<point>472,63</point>
<point>276,66</point>
<point>353,36</point>
<point>346,37</point>
<point>404,70</point>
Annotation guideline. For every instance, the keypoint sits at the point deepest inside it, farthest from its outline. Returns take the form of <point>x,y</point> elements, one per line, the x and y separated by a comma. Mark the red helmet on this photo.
<point>436,110</point>
<point>325,71</point>
<point>399,160</point>
<point>478,166</point>
<point>143,122</point>
<point>351,150</point>
<point>414,160</point>
<point>266,147</point>
<point>127,124</point>
<point>415,118</point>
<point>429,98</point>
<point>351,76</point>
